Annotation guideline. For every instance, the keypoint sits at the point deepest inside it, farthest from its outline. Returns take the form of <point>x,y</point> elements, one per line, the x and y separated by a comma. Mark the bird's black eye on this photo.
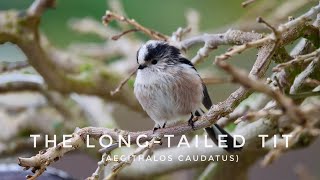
<point>154,61</point>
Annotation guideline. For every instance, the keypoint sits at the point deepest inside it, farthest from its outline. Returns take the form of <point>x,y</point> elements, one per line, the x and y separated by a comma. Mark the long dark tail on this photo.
<point>215,131</point>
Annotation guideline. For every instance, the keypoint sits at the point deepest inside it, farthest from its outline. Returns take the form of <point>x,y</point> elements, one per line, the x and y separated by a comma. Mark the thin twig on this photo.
<point>110,16</point>
<point>241,77</point>
<point>304,95</point>
<point>101,164</point>
<point>120,165</point>
<point>241,48</point>
<point>275,37</point>
<point>10,66</point>
<point>123,82</point>
<point>306,58</point>
<point>247,2</point>
<point>301,20</point>
<point>275,153</point>
<point>312,82</point>
<point>39,6</point>
<point>116,37</point>
<point>212,41</point>
<point>304,75</point>
<point>254,115</point>
<point>179,33</point>
<point>215,80</point>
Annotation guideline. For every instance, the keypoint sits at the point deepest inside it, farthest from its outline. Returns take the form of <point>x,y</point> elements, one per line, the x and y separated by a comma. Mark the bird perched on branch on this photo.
<point>169,88</point>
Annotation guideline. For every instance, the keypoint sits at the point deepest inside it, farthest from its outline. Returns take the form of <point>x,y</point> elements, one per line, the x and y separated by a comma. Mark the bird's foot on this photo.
<point>164,125</point>
<point>159,141</point>
<point>158,126</point>
<point>191,121</point>
<point>155,128</point>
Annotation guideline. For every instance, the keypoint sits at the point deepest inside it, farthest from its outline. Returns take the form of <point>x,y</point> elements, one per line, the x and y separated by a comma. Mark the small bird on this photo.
<point>169,88</point>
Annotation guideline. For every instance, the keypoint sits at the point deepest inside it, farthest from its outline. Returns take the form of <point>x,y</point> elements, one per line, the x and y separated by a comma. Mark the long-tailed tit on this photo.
<point>170,89</point>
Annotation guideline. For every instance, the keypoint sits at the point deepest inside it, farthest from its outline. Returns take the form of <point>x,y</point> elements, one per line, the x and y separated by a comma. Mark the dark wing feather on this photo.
<point>206,101</point>
<point>186,61</point>
<point>215,130</point>
<point>206,98</point>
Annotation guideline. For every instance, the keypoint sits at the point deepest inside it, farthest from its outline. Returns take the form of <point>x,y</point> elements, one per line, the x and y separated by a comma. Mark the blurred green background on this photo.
<point>164,16</point>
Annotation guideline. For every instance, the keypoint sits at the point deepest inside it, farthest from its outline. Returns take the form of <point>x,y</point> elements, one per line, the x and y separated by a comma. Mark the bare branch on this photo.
<point>13,66</point>
<point>123,82</point>
<point>128,161</point>
<point>241,77</point>
<point>215,80</point>
<point>101,164</point>
<point>306,58</point>
<point>116,37</point>
<point>110,16</point>
<point>212,41</point>
<point>177,36</point>
<point>281,147</point>
<point>39,6</point>
<point>247,2</point>
<point>283,29</point>
<point>250,132</point>
<point>304,75</point>
<point>20,82</point>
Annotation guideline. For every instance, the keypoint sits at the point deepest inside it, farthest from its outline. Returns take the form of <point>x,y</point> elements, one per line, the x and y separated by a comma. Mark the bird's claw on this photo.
<point>159,127</point>
<point>191,123</point>
<point>154,129</point>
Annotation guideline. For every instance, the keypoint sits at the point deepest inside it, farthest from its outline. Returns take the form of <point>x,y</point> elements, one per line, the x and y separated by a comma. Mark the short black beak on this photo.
<point>142,66</point>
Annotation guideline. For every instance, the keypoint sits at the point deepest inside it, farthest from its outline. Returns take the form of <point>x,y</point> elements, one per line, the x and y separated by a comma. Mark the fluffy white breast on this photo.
<point>170,94</point>
<point>147,77</point>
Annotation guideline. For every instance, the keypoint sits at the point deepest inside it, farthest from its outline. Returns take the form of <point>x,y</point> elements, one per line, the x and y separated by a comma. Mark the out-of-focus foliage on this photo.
<point>164,15</point>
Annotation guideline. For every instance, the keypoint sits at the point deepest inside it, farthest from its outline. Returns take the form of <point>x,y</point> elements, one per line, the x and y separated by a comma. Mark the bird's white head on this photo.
<point>156,53</point>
